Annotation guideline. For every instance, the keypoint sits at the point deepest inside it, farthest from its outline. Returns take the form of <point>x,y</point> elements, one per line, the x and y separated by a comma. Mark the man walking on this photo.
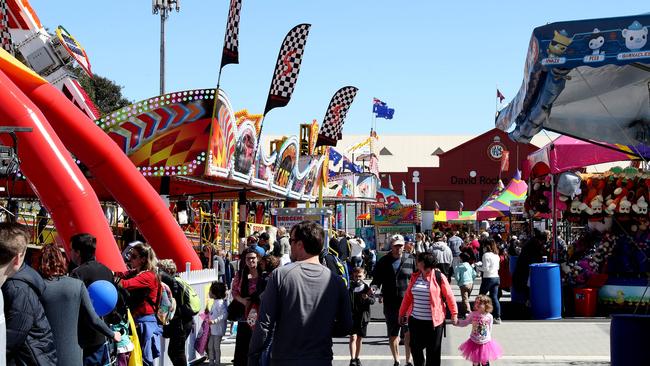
<point>454,243</point>
<point>392,275</point>
<point>443,255</point>
<point>83,253</point>
<point>303,306</point>
<point>30,340</point>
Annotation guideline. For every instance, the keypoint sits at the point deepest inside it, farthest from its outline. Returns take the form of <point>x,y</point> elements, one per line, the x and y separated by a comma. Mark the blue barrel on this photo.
<point>545,291</point>
<point>627,340</point>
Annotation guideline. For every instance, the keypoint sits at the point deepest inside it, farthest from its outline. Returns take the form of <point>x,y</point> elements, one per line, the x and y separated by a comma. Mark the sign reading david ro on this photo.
<point>473,180</point>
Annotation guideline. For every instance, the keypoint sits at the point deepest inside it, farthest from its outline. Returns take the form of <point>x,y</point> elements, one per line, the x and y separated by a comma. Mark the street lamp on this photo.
<point>416,180</point>
<point>164,7</point>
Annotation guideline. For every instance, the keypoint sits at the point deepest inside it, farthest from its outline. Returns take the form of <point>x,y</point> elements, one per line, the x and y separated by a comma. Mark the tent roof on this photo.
<point>515,190</point>
<point>446,216</point>
<point>585,79</point>
<point>566,153</point>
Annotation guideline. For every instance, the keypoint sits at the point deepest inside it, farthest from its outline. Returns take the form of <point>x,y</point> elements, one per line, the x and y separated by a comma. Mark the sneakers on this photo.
<point>355,362</point>
<point>497,321</point>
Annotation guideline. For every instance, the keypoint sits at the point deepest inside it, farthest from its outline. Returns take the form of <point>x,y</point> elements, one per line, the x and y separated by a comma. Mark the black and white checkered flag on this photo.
<point>330,131</point>
<point>287,67</point>
<point>230,53</point>
<point>5,36</point>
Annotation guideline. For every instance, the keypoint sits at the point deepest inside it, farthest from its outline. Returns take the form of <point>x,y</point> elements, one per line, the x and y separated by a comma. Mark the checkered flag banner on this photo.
<point>230,53</point>
<point>287,67</point>
<point>330,130</point>
<point>5,36</point>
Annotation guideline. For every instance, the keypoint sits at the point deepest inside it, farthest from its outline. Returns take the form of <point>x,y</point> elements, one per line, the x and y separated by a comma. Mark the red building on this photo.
<point>467,173</point>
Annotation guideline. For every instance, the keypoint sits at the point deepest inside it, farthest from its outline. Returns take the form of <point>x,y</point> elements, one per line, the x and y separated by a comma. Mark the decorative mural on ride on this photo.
<point>165,135</point>
<point>352,186</point>
<point>175,134</point>
<point>285,164</point>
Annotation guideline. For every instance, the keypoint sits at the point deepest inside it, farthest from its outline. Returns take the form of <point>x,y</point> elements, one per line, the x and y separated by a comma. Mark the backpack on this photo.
<point>190,302</point>
<point>166,306</point>
<point>331,260</point>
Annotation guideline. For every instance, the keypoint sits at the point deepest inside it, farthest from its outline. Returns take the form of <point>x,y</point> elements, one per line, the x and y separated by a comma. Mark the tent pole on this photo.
<point>554,222</point>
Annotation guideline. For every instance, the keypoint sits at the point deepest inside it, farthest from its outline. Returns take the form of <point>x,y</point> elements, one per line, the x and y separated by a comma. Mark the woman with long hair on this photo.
<point>490,265</point>
<point>66,301</point>
<point>143,284</point>
<point>245,291</point>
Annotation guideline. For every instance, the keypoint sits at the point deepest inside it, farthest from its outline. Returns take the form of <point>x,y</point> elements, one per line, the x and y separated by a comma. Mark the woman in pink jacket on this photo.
<point>424,311</point>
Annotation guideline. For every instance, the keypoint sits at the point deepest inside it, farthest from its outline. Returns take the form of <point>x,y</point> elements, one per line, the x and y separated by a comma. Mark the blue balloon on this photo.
<point>103,295</point>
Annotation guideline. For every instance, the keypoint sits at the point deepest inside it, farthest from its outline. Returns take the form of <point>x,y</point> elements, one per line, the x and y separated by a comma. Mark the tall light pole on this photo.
<point>416,180</point>
<point>164,7</point>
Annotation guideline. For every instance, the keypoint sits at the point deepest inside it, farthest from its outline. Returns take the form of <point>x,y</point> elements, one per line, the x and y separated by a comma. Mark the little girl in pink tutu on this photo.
<point>480,348</point>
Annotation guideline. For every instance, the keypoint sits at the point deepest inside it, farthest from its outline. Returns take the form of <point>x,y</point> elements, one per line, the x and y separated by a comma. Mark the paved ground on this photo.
<point>531,343</point>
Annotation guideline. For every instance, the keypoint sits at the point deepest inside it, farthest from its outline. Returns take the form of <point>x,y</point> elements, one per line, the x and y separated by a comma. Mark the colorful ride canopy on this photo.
<point>500,206</point>
<point>194,135</point>
<point>454,216</point>
<point>587,79</point>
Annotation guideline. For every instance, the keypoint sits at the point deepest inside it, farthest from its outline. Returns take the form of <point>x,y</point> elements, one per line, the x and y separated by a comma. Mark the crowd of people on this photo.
<point>323,288</point>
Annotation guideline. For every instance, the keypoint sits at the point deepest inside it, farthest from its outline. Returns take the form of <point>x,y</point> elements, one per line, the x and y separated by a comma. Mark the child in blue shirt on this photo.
<point>464,274</point>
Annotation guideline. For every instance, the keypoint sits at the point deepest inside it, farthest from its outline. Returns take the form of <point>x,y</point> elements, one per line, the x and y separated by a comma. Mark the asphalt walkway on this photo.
<point>524,342</point>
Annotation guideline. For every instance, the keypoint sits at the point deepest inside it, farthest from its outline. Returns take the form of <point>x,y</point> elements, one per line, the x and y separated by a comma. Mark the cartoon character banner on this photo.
<point>586,79</point>
<point>395,213</point>
<point>365,186</point>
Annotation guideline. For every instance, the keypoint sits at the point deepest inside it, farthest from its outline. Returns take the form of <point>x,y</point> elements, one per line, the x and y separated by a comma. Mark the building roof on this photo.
<point>398,152</point>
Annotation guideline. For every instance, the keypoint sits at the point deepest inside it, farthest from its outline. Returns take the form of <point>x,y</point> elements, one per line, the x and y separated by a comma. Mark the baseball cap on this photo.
<point>251,239</point>
<point>438,236</point>
<point>409,239</point>
<point>397,240</point>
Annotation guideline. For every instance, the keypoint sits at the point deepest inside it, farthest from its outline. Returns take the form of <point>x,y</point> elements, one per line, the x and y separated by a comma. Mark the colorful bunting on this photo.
<point>287,67</point>
<point>230,54</point>
<point>330,130</point>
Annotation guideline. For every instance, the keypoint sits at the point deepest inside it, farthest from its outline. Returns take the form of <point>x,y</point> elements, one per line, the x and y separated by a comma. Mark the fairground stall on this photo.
<point>589,80</point>
<point>393,214</point>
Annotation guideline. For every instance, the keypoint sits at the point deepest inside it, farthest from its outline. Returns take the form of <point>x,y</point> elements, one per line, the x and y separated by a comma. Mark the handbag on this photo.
<point>235,310</point>
<point>136,354</point>
<point>201,342</point>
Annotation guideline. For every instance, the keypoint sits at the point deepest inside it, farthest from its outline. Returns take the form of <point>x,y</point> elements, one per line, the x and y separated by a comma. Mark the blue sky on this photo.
<point>437,63</point>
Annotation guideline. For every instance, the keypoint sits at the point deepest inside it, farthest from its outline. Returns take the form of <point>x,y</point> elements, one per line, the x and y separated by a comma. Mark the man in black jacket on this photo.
<point>30,340</point>
<point>89,270</point>
<point>392,275</point>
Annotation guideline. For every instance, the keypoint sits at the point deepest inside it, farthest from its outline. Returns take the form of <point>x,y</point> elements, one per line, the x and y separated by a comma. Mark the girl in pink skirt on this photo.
<point>480,348</point>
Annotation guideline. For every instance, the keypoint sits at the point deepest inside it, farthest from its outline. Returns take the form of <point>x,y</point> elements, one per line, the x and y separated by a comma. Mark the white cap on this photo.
<point>396,240</point>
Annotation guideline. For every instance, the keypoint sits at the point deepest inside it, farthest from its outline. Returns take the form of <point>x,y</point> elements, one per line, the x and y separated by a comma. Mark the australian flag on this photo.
<point>354,168</point>
<point>335,156</point>
<point>381,110</point>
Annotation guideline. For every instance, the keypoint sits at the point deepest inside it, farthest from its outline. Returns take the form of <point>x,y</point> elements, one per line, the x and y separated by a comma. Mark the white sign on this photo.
<point>517,207</point>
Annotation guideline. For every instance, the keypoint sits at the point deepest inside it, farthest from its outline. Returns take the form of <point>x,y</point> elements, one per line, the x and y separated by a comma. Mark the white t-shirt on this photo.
<point>490,266</point>
<point>356,247</point>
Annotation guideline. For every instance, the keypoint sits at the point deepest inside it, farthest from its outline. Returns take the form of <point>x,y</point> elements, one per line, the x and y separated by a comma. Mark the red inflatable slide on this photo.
<point>108,164</point>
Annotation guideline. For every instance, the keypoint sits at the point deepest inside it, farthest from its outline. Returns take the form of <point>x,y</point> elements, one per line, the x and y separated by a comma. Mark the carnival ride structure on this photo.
<point>191,138</point>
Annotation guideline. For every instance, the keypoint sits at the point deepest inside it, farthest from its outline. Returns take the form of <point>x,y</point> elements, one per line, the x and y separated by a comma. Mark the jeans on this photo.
<point>425,336</point>
<point>465,291</point>
<point>97,355</point>
<point>491,285</point>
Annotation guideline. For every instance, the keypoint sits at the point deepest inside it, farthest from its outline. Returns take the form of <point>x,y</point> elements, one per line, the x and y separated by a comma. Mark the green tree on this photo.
<point>105,93</point>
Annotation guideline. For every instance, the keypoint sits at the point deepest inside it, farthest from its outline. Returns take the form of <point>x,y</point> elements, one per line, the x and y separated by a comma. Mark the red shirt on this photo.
<point>143,280</point>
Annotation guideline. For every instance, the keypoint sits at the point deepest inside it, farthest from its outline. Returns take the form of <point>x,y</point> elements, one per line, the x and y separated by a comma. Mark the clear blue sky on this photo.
<point>436,62</point>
